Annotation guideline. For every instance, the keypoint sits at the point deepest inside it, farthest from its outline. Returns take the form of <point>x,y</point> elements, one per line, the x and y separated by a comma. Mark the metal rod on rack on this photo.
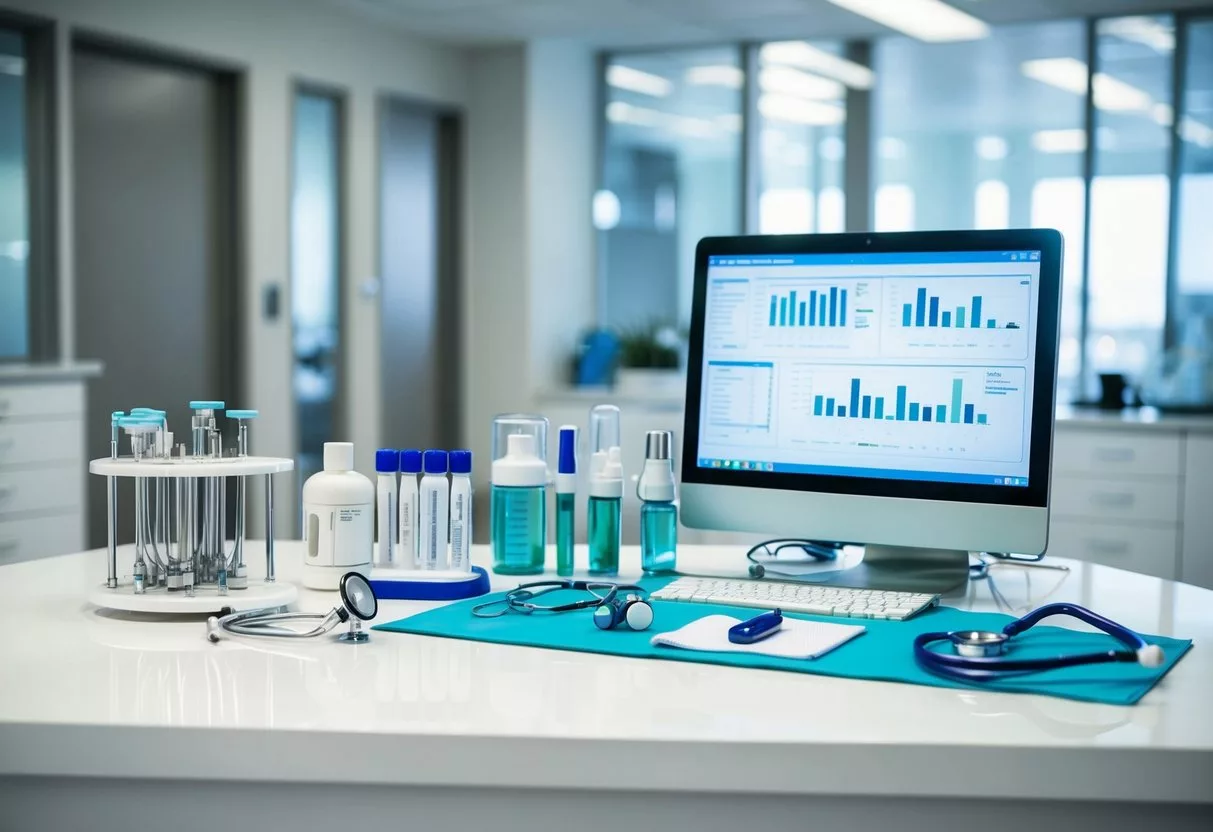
<point>269,528</point>
<point>111,504</point>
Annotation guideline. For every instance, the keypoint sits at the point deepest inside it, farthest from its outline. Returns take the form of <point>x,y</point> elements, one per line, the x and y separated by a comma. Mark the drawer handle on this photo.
<point>1115,454</point>
<point>1113,500</point>
<point>1107,547</point>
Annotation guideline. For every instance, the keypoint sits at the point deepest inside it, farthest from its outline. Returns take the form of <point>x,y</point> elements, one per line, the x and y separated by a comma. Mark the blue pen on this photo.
<point>757,628</point>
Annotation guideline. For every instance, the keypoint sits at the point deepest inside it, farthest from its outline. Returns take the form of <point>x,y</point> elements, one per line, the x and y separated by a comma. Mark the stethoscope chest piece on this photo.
<point>979,644</point>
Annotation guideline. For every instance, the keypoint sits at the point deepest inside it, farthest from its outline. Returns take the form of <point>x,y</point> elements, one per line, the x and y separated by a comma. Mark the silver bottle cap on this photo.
<point>657,444</point>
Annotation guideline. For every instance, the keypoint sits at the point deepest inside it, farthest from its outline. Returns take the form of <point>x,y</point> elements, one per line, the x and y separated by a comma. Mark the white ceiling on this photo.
<point>636,23</point>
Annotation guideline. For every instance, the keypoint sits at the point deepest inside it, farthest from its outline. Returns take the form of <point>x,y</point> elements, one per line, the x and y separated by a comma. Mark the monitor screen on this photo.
<point>914,366</point>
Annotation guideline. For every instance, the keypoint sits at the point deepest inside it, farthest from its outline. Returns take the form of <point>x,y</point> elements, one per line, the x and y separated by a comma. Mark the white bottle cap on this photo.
<point>606,474</point>
<point>338,456</point>
<point>520,467</point>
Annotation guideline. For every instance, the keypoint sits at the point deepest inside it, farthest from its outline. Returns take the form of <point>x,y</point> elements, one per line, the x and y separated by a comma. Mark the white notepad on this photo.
<point>796,639</point>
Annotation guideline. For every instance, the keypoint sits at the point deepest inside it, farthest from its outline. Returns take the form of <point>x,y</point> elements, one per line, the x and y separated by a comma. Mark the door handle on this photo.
<point>1115,454</point>
<point>1113,500</point>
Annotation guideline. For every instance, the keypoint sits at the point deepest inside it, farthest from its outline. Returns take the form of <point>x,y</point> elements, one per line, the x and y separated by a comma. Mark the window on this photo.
<point>27,308</point>
<point>315,271</point>
<point>801,119</point>
<point>671,175</point>
<point>1194,240</point>
<point>980,134</point>
<point>1130,194</point>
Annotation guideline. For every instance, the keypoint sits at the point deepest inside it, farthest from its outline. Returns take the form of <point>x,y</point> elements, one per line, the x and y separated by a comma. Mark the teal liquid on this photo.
<point>603,524</point>
<point>658,537</point>
<point>564,533</point>
<point>519,529</point>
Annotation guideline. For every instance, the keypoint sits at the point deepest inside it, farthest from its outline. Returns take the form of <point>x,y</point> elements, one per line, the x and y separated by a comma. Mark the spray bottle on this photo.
<point>658,512</point>
<point>605,511</point>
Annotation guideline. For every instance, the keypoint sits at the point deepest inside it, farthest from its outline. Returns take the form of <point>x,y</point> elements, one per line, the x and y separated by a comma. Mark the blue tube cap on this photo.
<point>567,462</point>
<point>461,462</point>
<point>387,461</point>
<point>410,461</point>
<point>434,462</point>
<point>205,405</point>
<point>241,414</point>
<point>146,411</point>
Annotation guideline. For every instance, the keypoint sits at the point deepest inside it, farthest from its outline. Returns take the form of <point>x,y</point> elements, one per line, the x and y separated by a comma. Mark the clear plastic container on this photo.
<point>518,494</point>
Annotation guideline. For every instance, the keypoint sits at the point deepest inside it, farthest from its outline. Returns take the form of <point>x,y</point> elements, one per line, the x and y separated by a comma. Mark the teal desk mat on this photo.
<point>884,652</point>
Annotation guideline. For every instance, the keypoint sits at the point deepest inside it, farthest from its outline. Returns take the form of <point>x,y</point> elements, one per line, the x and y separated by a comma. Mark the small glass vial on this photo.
<point>518,494</point>
<point>566,498</point>
<point>604,517</point>
<point>658,511</point>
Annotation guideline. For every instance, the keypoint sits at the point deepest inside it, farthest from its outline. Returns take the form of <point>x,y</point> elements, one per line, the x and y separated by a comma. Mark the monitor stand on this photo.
<point>902,569</point>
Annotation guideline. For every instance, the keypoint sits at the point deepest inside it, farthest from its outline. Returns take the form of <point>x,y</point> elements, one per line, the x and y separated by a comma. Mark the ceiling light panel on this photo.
<point>928,20</point>
<point>634,80</point>
<point>789,81</point>
<point>795,110</point>
<point>799,54</point>
<point>715,75</point>
<point>1059,141</point>
<point>1070,74</point>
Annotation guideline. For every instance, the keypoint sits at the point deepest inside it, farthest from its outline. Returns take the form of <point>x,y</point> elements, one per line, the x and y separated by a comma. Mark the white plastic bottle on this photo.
<point>387,463</point>
<point>461,510</point>
<point>409,550</point>
<point>338,520</point>
<point>434,496</point>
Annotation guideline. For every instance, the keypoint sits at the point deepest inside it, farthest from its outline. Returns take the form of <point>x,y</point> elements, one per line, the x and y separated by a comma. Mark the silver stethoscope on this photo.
<point>358,604</point>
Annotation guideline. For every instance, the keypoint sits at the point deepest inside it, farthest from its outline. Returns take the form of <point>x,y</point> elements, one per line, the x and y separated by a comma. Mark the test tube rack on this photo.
<point>183,562</point>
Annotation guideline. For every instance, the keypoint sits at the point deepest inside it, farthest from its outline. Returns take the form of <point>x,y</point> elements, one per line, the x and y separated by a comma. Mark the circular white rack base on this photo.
<point>230,466</point>
<point>205,600</point>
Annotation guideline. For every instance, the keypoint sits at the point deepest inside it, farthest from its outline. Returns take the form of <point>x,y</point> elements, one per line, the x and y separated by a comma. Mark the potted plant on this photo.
<point>650,361</point>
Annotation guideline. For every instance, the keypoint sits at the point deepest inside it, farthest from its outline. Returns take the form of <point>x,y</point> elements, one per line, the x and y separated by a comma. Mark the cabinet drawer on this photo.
<point>50,488</point>
<point>1144,549</point>
<point>1116,452</point>
<point>24,400</point>
<point>41,537</point>
<point>1152,500</point>
<point>55,440</point>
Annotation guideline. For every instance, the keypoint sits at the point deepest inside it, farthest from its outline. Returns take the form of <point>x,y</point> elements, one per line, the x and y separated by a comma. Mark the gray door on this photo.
<point>419,166</point>
<point>154,220</point>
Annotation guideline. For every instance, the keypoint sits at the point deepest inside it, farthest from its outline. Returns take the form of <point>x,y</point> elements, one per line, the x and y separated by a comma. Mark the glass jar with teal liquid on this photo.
<point>518,494</point>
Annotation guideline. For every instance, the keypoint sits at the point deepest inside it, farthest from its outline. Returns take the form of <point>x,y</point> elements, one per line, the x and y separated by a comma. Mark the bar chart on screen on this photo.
<point>956,317</point>
<point>829,318</point>
<point>954,412</point>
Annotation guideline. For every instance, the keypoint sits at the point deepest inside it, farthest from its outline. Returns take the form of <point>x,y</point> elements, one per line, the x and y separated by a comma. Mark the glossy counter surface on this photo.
<point>89,693</point>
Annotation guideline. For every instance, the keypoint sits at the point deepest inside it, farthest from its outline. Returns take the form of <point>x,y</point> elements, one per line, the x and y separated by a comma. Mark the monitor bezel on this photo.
<point>1036,494</point>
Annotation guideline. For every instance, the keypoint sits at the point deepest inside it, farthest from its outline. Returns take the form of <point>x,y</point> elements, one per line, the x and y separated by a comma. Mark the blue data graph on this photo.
<point>957,317</point>
<point>900,408</point>
<point>943,411</point>
<point>825,306</point>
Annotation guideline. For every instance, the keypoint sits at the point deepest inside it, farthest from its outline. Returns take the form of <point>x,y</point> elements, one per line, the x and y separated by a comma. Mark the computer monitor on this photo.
<point>894,390</point>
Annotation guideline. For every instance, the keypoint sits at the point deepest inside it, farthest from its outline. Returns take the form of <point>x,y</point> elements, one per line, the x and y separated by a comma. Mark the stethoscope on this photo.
<point>978,653</point>
<point>358,604</point>
<point>613,604</point>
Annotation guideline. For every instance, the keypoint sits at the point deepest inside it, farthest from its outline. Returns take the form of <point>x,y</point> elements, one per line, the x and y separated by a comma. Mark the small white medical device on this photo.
<point>338,520</point>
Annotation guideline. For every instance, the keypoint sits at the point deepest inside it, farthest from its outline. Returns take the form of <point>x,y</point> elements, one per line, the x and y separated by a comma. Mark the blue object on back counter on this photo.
<point>596,358</point>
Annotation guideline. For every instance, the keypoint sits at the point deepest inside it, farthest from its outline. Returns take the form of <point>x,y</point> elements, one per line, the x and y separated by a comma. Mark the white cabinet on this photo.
<point>42,461</point>
<point>1137,497</point>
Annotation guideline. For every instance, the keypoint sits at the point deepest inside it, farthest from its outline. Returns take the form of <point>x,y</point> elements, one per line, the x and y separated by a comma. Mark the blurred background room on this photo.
<point>386,221</point>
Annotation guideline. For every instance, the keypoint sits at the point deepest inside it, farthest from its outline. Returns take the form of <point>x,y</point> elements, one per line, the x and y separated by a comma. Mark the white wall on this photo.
<point>276,43</point>
<point>530,264</point>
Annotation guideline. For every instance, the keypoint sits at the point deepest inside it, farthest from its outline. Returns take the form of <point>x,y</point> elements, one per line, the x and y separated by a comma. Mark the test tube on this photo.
<point>239,577</point>
<point>111,500</point>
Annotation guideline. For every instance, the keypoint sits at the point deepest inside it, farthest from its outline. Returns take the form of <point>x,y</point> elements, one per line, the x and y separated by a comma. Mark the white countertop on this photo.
<point>49,371</point>
<point>88,693</point>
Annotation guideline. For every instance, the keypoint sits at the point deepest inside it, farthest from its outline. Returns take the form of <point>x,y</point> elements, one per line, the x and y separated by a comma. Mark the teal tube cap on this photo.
<point>205,405</point>
<point>241,414</point>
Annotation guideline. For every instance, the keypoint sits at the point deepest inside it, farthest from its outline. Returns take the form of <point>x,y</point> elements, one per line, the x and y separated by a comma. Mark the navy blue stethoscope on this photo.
<point>978,654</point>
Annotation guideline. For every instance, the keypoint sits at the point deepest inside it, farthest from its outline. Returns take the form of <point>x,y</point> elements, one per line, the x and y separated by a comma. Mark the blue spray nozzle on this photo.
<point>461,462</point>
<point>410,461</point>
<point>567,461</point>
<point>434,462</point>
<point>387,461</point>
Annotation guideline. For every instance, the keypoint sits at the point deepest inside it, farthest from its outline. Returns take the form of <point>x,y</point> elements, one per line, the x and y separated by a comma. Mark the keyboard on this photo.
<point>813,599</point>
